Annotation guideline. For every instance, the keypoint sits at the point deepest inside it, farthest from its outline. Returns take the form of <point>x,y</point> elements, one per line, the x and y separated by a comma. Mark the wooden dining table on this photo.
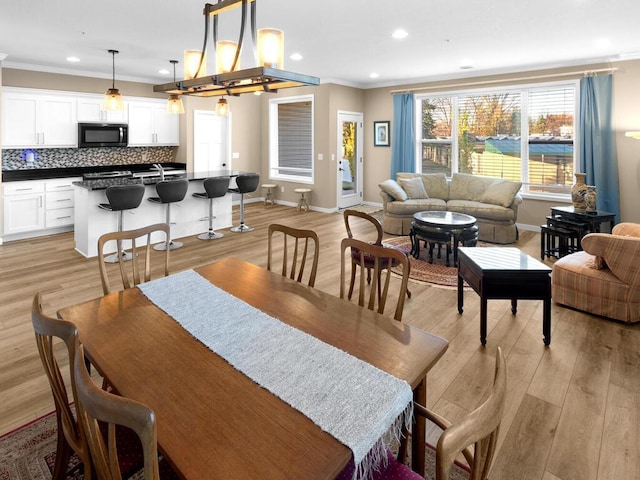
<point>212,420</point>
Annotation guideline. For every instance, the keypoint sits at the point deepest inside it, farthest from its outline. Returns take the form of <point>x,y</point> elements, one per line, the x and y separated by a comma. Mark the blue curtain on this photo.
<point>597,141</point>
<point>403,145</point>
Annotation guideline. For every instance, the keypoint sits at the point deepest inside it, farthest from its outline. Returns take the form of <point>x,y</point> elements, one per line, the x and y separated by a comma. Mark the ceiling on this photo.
<point>341,41</point>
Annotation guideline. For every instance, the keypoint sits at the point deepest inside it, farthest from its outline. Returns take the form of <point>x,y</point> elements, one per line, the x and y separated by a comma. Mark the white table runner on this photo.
<point>358,404</point>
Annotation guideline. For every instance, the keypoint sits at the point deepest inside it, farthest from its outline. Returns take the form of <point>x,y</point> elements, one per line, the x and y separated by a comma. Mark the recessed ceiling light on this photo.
<point>73,59</point>
<point>163,71</point>
<point>465,64</point>
<point>374,75</point>
<point>399,34</point>
<point>602,43</point>
<point>296,57</point>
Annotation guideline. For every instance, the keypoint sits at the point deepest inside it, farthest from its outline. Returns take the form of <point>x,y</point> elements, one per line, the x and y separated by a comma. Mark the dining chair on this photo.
<point>95,405</point>
<point>139,269</point>
<point>374,260</point>
<point>369,229</point>
<point>299,257</point>
<point>70,434</point>
<point>475,437</point>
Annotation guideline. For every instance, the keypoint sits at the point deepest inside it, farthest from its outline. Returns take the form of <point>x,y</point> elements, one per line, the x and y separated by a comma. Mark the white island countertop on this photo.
<point>188,217</point>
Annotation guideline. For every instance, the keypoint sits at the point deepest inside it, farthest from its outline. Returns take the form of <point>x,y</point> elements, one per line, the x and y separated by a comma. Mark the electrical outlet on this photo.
<point>282,189</point>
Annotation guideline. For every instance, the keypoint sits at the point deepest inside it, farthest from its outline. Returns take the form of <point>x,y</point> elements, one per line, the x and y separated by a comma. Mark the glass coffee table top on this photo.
<point>442,219</point>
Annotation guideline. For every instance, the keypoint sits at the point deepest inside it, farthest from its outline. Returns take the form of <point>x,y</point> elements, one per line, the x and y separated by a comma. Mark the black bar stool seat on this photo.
<point>246,183</point>
<point>169,191</point>
<point>121,198</point>
<point>215,187</point>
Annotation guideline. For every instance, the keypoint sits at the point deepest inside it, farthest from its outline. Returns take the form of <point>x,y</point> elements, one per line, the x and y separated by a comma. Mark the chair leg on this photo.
<point>169,243</point>
<point>211,234</point>
<point>63,453</point>
<point>242,227</point>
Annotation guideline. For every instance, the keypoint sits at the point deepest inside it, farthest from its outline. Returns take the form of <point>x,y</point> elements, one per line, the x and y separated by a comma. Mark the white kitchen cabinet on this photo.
<point>38,207</point>
<point>38,119</point>
<point>23,206</point>
<point>90,110</point>
<point>151,125</point>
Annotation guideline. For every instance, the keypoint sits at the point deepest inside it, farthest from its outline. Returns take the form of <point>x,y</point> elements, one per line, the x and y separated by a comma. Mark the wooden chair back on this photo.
<point>368,227</point>
<point>378,260</point>
<point>96,405</point>
<point>70,435</point>
<point>138,269</point>
<point>294,262</point>
<point>478,429</point>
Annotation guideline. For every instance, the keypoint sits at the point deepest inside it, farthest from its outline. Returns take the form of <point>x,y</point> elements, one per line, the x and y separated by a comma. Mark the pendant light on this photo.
<point>112,99</point>
<point>174,102</point>
<point>222,107</point>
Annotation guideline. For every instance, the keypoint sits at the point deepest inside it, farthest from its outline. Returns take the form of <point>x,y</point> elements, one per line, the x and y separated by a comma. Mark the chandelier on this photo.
<point>229,79</point>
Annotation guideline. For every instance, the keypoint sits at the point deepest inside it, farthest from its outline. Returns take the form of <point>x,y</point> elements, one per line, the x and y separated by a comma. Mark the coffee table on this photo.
<point>441,227</point>
<point>508,274</point>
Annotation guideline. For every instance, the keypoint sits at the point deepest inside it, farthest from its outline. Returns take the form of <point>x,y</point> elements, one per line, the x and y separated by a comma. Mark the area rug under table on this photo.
<point>29,452</point>
<point>436,273</point>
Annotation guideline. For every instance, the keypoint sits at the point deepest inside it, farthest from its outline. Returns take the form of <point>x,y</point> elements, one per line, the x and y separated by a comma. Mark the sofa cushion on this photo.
<point>392,188</point>
<point>485,211</point>
<point>414,187</point>
<point>501,192</point>
<point>411,206</point>
<point>436,185</point>
<point>465,186</point>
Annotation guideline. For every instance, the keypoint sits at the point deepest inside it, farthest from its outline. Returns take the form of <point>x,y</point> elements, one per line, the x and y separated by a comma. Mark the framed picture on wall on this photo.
<point>381,134</point>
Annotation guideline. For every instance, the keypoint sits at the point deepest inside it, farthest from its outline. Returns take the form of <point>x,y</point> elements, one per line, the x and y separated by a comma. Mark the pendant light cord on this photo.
<point>113,69</point>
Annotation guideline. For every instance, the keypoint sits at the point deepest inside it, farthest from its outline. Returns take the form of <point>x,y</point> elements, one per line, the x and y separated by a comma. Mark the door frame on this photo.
<point>357,197</point>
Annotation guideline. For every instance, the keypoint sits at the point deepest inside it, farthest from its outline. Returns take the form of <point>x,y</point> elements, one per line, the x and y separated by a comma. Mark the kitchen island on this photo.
<point>188,217</point>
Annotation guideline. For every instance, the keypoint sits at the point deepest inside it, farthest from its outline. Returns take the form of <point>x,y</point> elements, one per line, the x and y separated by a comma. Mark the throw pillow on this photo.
<point>501,192</point>
<point>392,188</point>
<point>414,187</point>
<point>436,185</point>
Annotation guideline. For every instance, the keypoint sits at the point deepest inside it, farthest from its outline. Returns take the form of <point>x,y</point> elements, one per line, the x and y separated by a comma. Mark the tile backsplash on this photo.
<point>16,159</point>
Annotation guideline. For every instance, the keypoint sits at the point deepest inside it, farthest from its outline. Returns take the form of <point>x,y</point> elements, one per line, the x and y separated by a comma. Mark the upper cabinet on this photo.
<point>38,119</point>
<point>90,110</point>
<point>151,125</point>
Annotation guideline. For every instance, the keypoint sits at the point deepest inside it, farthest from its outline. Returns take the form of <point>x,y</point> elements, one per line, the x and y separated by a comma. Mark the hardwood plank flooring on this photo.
<point>572,409</point>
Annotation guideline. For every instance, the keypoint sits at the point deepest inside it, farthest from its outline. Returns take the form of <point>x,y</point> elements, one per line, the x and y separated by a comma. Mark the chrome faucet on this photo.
<point>158,167</point>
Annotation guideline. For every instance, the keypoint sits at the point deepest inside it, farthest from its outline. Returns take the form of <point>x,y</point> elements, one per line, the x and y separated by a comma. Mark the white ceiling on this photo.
<point>342,41</point>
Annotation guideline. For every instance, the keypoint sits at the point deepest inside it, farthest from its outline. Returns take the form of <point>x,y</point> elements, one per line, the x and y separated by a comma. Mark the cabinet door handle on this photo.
<point>60,218</point>
<point>63,200</point>
<point>63,186</point>
<point>24,189</point>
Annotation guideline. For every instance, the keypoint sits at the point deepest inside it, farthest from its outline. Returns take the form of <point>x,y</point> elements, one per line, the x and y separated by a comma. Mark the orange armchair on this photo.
<point>604,278</point>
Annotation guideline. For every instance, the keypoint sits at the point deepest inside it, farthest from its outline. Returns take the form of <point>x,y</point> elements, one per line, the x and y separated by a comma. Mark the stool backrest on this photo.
<point>125,197</point>
<point>216,186</point>
<point>171,191</point>
<point>247,182</point>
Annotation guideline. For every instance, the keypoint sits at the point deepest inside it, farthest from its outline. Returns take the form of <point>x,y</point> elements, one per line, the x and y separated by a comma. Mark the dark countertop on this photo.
<point>45,173</point>
<point>101,184</point>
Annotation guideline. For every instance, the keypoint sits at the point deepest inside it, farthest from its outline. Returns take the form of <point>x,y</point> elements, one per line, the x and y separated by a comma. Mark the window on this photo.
<point>291,139</point>
<point>520,133</point>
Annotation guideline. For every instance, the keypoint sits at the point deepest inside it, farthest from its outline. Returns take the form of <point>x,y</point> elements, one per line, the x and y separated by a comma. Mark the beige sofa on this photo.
<point>493,201</point>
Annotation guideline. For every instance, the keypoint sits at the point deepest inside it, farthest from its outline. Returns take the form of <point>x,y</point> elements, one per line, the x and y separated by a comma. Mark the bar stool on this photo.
<point>169,191</point>
<point>246,183</point>
<point>121,198</point>
<point>303,204</point>
<point>268,198</point>
<point>215,187</point>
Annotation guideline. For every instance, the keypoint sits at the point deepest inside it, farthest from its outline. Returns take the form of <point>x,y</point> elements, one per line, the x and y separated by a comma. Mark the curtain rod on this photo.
<point>486,82</point>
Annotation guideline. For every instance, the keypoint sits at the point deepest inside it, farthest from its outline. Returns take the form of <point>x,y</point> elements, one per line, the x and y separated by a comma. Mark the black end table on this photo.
<point>506,274</point>
<point>593,220</point>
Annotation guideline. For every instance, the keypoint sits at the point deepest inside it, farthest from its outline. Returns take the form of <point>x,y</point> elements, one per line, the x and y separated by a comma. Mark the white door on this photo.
<point>211,141</point>
<point>349,164</point>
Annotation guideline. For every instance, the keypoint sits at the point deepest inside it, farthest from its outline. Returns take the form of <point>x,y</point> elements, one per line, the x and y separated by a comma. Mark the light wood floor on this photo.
<point>573,410</point>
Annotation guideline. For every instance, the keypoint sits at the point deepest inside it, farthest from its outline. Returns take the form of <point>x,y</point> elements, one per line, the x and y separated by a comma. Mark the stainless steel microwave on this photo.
<point>103,135</point>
